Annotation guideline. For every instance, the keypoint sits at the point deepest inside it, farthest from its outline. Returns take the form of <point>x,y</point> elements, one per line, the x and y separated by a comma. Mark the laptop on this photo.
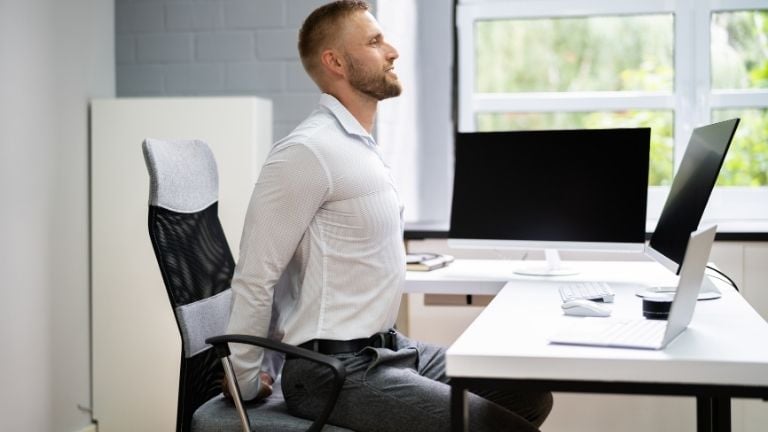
<point>645,333</point>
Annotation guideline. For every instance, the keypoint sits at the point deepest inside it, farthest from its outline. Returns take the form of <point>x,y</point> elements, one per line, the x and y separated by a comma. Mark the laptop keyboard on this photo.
<point>633,332</point>
<point>639,333</point>
<point>598,291</point>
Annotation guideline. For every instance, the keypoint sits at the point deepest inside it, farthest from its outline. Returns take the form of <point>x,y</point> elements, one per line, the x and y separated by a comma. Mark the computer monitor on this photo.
<point>689,194</point>
<point>551,189</point>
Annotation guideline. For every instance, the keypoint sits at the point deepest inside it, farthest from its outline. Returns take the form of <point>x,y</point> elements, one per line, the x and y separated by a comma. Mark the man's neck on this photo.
<point>361,106</point>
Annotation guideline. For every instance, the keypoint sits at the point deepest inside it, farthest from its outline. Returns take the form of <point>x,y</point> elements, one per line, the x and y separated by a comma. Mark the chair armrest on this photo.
<point>337,367</point>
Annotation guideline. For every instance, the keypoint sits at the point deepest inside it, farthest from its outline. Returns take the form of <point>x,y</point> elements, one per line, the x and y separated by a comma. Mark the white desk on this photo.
<point>488,277</point>
<point>723,353</point>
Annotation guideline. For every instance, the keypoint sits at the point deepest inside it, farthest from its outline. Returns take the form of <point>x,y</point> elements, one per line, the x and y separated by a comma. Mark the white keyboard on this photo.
<point>632,333</point>
<point>598,291</point>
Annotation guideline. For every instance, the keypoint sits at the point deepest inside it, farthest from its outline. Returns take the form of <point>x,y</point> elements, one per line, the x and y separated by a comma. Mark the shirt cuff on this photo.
<point>249,389</point>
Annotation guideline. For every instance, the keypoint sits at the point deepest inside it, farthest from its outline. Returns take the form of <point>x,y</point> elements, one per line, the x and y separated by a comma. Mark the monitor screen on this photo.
<point>690,191</point>
<point>553,188</point>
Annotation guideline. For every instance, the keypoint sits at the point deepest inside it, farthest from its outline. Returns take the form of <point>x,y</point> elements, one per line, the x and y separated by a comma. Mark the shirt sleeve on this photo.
<point>291,187</point>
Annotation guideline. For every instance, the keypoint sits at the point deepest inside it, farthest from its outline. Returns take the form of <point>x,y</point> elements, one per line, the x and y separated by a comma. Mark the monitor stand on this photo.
<point>551,267</point>
<point>708,290</point>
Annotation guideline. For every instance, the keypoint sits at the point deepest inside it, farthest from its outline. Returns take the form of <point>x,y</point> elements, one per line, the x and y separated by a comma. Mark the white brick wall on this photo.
<point>216,47</point>
<point>140,80</point>
<point>188,78</point>
<point>259,76</point>
<point>277,44</point>
<point>297,10</point>
<point>192,16</point>
<point>224,46</point>
<point>125,49</point>
<point>138,17</point>
<point>254,13</point>
<point>164,48</point>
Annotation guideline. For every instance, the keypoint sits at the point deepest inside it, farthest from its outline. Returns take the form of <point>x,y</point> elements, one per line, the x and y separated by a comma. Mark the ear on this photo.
<point>333,62</point>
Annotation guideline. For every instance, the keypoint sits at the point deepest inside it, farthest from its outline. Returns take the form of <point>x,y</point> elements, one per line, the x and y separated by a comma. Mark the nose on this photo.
<point>392,53</point>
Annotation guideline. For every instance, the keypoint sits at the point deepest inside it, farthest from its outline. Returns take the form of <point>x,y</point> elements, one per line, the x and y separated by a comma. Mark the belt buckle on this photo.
<point>378,340</point>
<point>384,339</point>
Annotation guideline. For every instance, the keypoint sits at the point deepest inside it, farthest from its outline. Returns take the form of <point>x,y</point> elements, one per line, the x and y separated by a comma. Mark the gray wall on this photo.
<point>53,56</point>
<point>222,47</point>
<point>435,59</point>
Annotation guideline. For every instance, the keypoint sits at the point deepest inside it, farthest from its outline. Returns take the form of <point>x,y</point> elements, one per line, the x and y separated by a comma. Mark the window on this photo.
<point>739,67</point>
<point>578,56</point>
<point>668,65</point>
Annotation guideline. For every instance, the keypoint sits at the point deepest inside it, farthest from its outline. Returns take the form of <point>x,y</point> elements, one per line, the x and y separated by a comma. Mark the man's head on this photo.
<point>341,43</point>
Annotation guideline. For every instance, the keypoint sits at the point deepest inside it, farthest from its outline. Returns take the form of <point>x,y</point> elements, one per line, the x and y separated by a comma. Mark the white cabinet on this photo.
<point>136,344</point>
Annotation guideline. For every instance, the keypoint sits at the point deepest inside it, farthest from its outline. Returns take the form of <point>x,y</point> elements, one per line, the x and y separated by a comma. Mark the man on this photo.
<point>326,213</point>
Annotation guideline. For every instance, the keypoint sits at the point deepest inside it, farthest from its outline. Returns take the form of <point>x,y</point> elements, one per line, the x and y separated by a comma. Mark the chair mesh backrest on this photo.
<point>192,253</point>
<point>194,258</point>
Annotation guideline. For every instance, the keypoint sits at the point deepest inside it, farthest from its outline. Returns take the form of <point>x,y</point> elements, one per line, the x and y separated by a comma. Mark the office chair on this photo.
<point>197,266</point>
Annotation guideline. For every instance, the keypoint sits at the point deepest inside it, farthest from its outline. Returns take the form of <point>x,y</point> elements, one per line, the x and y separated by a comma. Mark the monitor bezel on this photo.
<point>462,243</point>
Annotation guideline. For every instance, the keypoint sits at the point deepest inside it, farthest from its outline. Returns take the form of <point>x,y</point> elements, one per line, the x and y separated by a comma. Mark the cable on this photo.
<point>727,279</point>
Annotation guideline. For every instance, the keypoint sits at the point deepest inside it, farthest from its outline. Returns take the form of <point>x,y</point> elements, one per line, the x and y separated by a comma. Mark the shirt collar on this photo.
<point>345,118</point>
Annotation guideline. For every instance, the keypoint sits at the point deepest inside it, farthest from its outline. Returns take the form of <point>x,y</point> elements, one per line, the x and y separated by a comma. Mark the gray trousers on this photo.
<point>404,390</point>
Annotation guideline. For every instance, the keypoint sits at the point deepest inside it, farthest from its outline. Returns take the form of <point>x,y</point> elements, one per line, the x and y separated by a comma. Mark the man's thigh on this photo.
<point>533,406</point>
<point>380,397</point>
<point>375,397</point>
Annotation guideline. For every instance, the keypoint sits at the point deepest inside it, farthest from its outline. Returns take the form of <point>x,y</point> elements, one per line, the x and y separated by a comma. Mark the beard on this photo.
<point>376,84</point>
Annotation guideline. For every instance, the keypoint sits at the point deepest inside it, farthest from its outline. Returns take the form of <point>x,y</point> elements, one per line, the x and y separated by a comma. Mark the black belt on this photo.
<point>328,346</point>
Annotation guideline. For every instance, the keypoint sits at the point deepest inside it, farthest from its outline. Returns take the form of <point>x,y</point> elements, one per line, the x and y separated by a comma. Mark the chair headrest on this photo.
<point>182,174</point>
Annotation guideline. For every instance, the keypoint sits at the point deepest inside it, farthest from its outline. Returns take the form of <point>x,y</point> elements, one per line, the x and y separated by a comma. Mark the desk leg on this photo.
<point>713,414</point>
<point>459,408</point>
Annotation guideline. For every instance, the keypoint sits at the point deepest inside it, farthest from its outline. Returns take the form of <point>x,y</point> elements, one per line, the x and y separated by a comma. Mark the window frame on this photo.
<point>691,100</point>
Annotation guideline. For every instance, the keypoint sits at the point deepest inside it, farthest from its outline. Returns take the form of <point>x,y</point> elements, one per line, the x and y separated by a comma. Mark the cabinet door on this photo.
<point>136,344</point>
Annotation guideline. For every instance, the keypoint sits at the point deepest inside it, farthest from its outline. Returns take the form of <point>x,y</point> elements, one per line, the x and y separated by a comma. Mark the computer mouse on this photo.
<point>585,308</point>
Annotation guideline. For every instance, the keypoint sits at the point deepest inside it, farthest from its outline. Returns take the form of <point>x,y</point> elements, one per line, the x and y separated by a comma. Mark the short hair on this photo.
<point>320,25</point>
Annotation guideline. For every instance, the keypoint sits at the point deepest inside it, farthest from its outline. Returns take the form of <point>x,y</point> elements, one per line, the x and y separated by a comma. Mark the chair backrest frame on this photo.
<point>195,261</point>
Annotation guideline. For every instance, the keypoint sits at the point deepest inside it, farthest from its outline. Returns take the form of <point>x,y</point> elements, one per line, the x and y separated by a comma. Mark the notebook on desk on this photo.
<point>644,333</point>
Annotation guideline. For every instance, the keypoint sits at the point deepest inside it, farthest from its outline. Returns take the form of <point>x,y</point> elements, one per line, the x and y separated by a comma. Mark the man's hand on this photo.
<point>265,388</point>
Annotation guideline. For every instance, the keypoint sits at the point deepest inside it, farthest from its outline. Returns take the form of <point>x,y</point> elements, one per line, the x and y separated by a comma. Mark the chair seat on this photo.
<point>218,414</point>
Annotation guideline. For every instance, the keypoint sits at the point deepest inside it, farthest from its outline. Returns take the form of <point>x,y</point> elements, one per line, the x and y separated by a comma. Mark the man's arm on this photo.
<point>265,386</point>
<point>291,187</point>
